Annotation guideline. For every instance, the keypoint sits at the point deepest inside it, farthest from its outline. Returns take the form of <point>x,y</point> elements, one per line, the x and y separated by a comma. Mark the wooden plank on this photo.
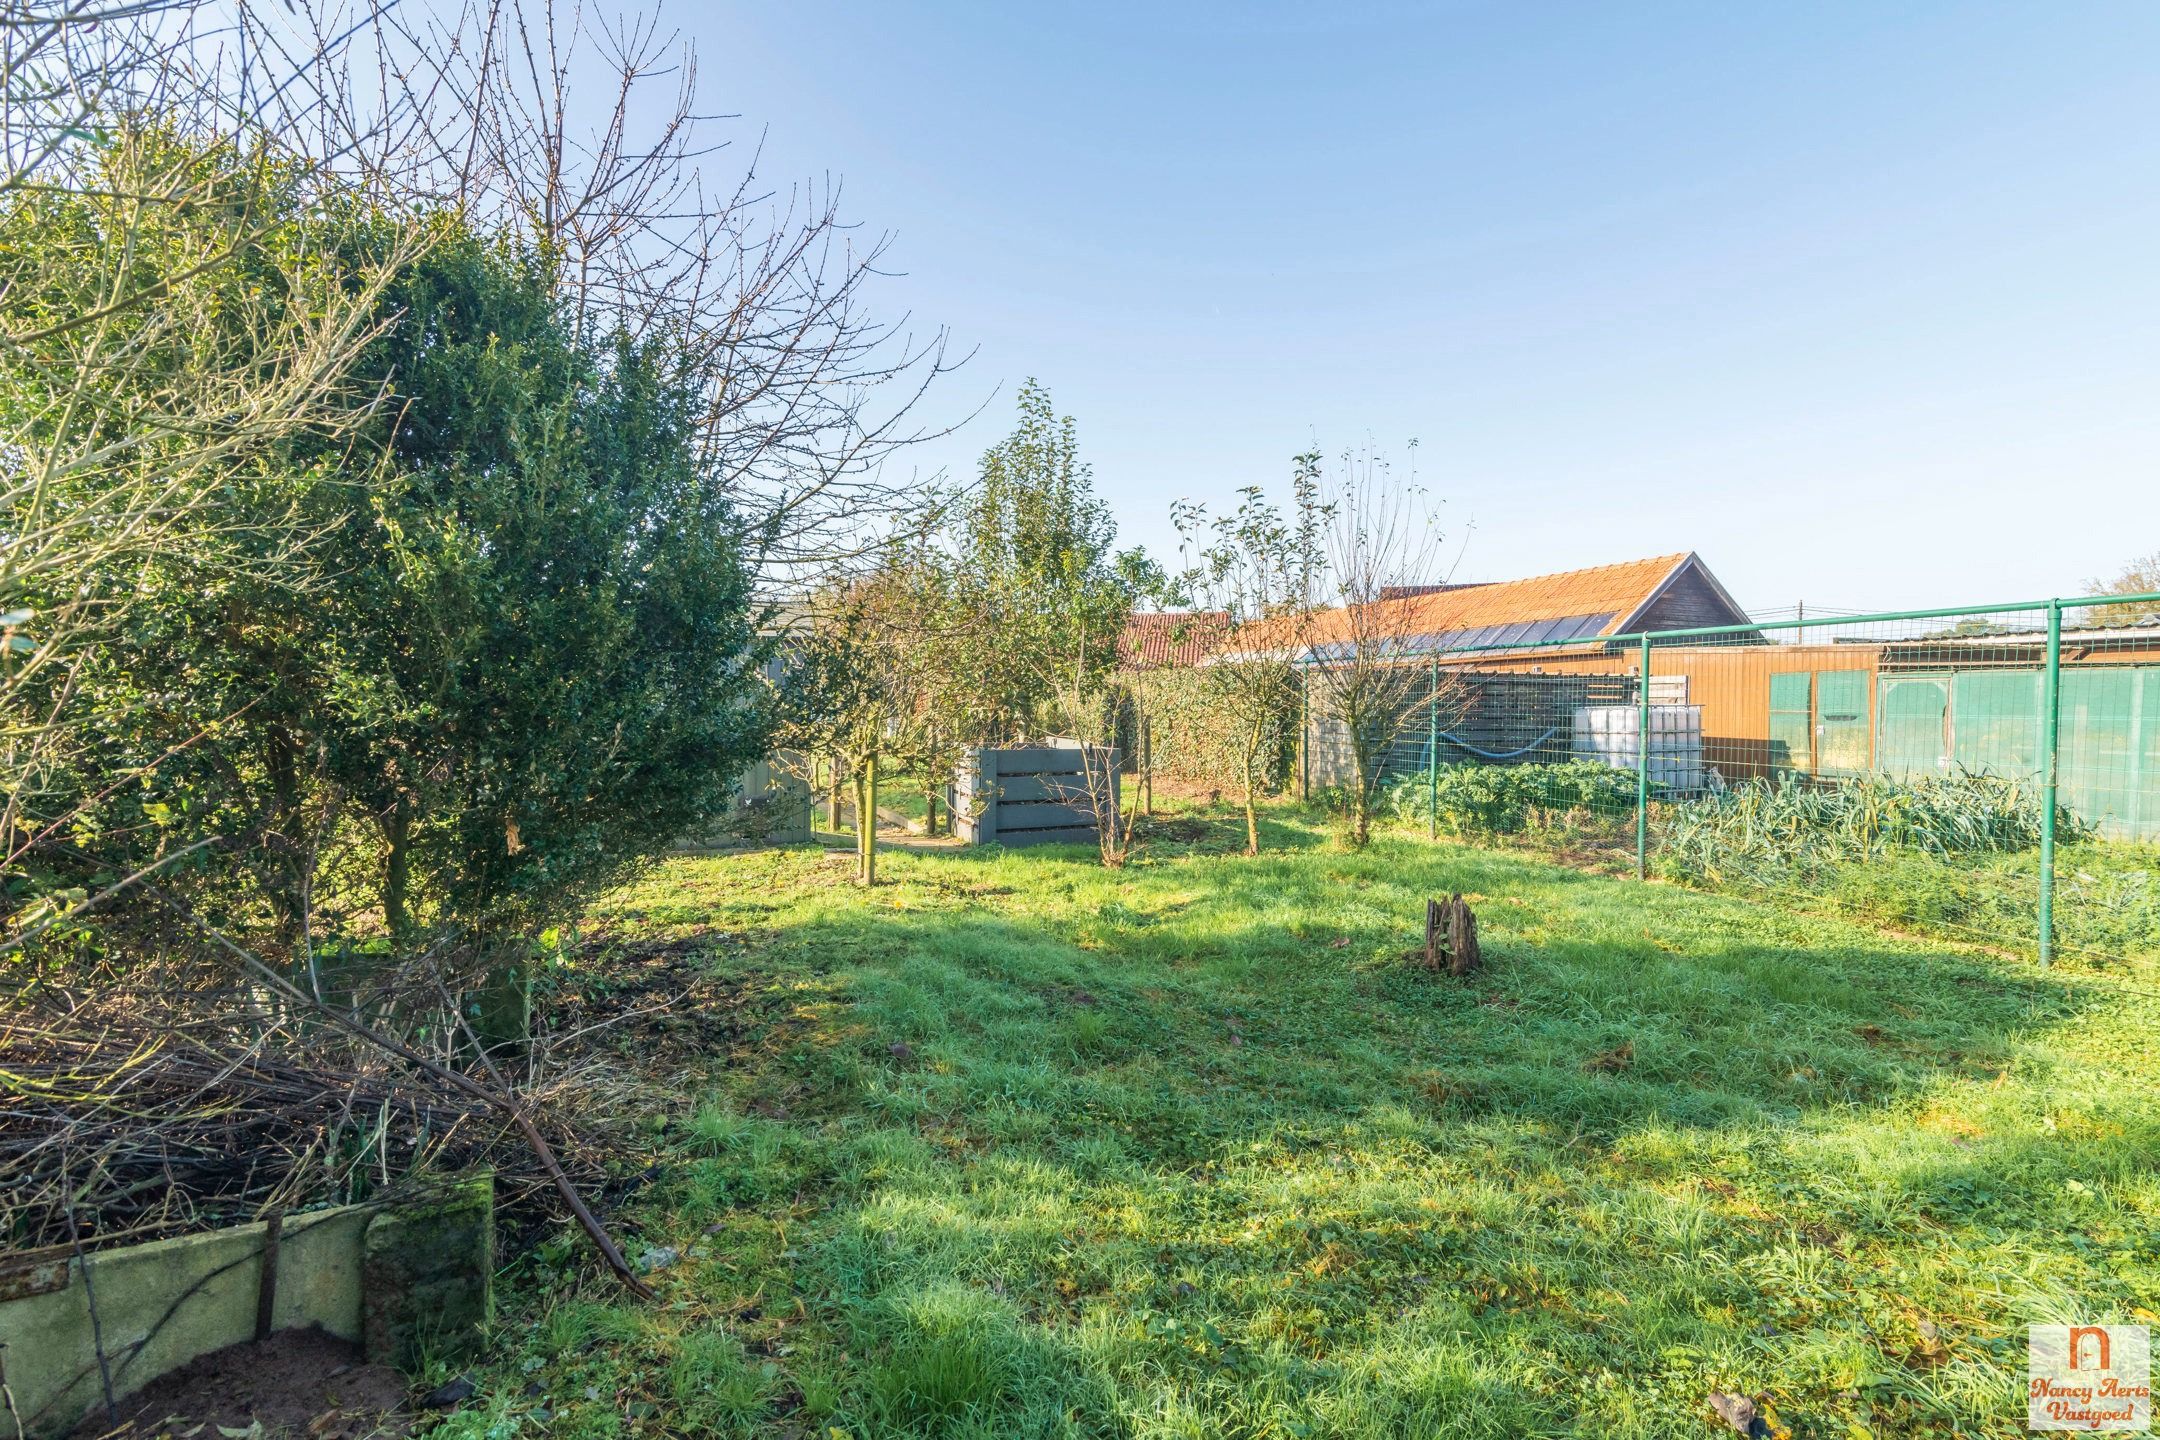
<point>1039,760</point>
<point>1033,789</point>
<point>1037,817</point>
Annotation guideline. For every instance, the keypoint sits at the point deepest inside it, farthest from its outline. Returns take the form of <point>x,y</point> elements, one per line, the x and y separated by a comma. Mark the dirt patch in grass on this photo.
<point>296,1383</point>
<point>1174,830</point>
<point>656,1000</point>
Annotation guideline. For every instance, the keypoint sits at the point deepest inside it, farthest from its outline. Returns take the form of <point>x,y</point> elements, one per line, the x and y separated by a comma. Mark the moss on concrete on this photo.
<point>427,1281</point>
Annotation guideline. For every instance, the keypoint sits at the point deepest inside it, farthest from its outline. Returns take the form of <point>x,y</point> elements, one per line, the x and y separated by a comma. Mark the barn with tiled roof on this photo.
<point>1666,592</point>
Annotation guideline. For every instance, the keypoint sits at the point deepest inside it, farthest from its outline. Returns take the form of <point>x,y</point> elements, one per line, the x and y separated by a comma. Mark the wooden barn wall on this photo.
<point>1690,601</point>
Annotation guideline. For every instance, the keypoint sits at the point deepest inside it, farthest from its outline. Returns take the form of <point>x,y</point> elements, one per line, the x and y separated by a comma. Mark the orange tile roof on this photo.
<point>1171,637</point>
<point>1613,591</point>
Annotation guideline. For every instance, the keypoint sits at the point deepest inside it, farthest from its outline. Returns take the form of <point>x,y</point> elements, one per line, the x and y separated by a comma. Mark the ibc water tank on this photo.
<point>1607,734</point>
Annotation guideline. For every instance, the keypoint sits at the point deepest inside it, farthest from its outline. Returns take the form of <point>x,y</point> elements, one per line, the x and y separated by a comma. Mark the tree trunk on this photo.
<point>930,789</point>
<point>1451,936</point>
<point>866,823</point>
<point>1252,810</point>
<point>1361,766</point>
<point>283,881</point>
<point>498,1004</point>
<point>397,871</point>
<point>1099,770</point>
<point>1304,763</point>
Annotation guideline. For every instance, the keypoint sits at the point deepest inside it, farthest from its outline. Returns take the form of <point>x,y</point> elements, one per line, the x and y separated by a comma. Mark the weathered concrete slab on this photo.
<point>427,1277</point>
<point>164,1303</point>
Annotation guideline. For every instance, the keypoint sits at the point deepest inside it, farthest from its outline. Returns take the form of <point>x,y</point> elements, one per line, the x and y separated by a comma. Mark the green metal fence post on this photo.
<point>2050,774</point>
<point>1432,752</point>
<point>1642,769</point>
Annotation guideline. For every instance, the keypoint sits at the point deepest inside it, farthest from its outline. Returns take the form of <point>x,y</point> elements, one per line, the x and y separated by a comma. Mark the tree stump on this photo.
<point>1451,937</point>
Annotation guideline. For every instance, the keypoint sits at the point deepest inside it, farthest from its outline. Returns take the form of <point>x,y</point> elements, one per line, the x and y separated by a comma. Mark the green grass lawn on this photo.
<point>1019,1146</point>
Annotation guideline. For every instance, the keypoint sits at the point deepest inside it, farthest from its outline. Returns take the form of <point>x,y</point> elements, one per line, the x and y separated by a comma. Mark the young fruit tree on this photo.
<point>1369,672</point>
<point>1259,568</point>
<point>850,691</point>
<point>934,633</point>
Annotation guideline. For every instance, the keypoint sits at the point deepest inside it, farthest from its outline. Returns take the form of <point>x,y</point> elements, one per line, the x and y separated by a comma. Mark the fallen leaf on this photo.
<point>1739,1412</point>
<point>456,1392</point>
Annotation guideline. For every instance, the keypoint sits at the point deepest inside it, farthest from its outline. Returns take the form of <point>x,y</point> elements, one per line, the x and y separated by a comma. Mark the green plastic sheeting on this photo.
<point>1988,722</point>
<point>1995,722</point>
<point>1792,745</point>
<point>1915,731</point>
<point>2111,749</point>
<point>1819,723</point>
<point>1841,722</point>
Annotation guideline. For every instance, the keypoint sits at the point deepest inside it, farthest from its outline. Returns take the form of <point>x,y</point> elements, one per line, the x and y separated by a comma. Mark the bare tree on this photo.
<point>64,64</point>
<point>854,691</point>
<point>1367,661</point>
<point>591,135</point>
<point>142,377</point>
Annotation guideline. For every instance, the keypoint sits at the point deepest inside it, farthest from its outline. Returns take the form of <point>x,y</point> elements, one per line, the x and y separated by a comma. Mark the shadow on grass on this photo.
<point>1206,1004</point>
<point>1187,1149</point>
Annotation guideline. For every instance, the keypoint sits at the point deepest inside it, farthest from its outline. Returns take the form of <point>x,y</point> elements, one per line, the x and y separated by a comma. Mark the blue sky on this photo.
<point>1862,302</point>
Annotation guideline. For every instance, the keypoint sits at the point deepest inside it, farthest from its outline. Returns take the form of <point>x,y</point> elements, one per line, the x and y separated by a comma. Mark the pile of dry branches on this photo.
<point>132,1109</point>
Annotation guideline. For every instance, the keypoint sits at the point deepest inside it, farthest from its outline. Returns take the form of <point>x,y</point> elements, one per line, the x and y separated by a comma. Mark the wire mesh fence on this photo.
<point>1987,773</point>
